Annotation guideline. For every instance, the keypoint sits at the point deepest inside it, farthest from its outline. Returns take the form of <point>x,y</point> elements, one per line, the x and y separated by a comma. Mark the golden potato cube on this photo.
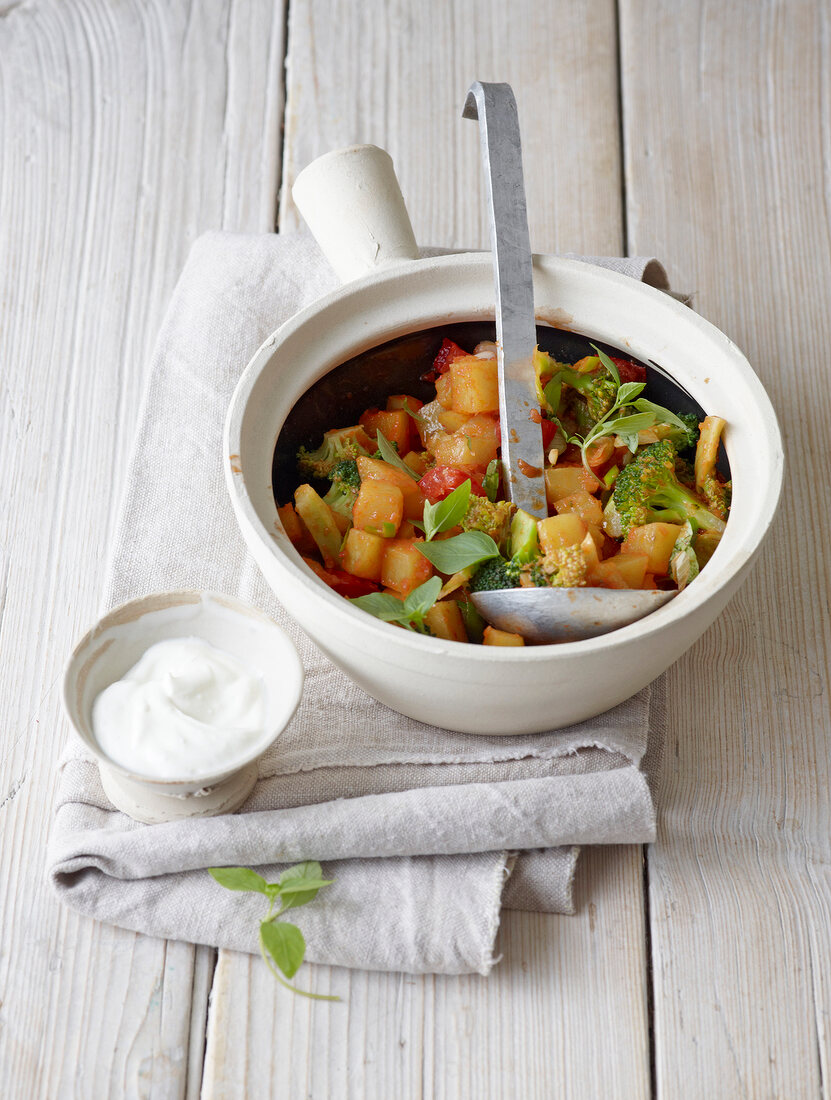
<point>564,481</point>
<point>379,508</point>
<point>444,390</point>
<point>475,385</point>
<point>403,567</point>
<point>632,567</point>
<point>501,637</point>
<point>444,620</point>
<point>417,462</point>
<point>656,540</point>
<point>374,469</point>
<point>606,575</point>
<point>460,449</point>
<point>584,505</point>
<point>558,531</point>
<point>363,554</point>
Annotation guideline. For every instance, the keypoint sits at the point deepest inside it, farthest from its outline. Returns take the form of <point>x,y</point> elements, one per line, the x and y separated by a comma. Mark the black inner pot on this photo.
<point>339,398</point>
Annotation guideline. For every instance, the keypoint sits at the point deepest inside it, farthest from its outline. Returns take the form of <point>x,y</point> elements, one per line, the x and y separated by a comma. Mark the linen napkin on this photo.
<point>419,827</point>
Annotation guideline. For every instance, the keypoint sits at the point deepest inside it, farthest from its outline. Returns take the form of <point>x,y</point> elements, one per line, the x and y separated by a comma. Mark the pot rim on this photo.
<point>383,282</point>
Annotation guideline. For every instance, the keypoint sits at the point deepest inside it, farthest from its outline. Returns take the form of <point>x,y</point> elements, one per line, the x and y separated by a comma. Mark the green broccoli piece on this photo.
<point>495,573</point>
<point>597,388</point>
<point>492,517</point>
<point>346,484</point>
<point>685,439</point>
<point>563,568</point>
<point>717,495</point>
<point>647,491</point>
<point>337,445</point>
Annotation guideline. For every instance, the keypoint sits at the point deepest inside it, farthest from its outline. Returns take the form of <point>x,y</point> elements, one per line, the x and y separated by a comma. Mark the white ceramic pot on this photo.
<point>480,689</point>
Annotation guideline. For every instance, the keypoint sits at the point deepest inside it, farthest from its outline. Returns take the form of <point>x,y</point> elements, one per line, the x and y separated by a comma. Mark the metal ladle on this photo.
<point>539,614</point>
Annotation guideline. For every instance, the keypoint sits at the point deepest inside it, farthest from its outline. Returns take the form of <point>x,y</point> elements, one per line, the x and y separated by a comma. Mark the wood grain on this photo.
<point>396,75</point>
<point>126,130</point>
<point>727,176</point>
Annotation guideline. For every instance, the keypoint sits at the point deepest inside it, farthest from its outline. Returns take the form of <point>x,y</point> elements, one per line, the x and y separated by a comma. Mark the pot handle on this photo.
<point>351,201</point>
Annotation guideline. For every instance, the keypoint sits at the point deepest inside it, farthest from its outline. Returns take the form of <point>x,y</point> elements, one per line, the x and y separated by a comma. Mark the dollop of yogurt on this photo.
<point>185,709</point>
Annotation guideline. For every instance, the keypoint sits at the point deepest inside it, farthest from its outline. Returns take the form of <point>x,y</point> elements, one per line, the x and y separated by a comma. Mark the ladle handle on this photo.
<point>516,334</point>
<point>351,201</point>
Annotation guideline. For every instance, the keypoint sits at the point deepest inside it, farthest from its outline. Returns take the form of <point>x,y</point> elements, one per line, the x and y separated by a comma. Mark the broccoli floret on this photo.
<point>337,445</point>
<point>346,483</point>
<point>563,568</point>
<point>647,491</point>
<point>717,494</point>
<point>685,439</point>
<point>493,574</point>
<point>596,387</point>
<point>494,518</point>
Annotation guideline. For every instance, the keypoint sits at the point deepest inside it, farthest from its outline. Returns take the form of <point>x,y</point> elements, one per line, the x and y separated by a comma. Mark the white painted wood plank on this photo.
<point>126,130</point>
<point>727,177</point>
<point>535,1028</point>
<point>565,1011</point>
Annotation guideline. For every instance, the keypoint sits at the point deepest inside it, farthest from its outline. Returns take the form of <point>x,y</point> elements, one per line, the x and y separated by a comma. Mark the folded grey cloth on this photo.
<point>419,827</point>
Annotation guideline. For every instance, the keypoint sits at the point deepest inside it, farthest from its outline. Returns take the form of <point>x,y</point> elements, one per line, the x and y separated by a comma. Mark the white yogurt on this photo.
<point>185,709</point>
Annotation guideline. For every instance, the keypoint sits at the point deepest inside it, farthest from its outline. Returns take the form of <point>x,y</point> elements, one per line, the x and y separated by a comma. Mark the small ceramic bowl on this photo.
<point>117,642</point>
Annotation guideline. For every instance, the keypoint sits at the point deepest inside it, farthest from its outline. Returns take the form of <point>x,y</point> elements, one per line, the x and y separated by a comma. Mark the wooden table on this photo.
<point>696,132</point>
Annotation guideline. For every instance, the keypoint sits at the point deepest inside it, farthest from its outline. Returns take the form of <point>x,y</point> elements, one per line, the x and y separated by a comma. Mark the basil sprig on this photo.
<point>409,612</point>
<point>390,455</point>
<point>281,943</point>
<point>457,553</point>
<point>447,513</point>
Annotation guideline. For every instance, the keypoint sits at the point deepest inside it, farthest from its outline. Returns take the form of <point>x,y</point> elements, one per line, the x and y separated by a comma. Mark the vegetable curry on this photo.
<point>404,512</point>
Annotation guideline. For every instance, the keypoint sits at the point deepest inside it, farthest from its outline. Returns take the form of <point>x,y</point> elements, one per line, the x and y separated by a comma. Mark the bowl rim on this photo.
<point>382,282</point>
<point>118,615</point>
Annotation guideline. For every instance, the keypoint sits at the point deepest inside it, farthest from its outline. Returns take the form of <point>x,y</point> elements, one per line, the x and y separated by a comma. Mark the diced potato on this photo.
<point>296,529</point>
<point>394,425</point>
<point>475,385</point>
<point>430,422</point>
<point>704,546</point>
<point>632,567</point>
<point>461,449</point>
<point>656,540</point>
<point>379,508</point>
<point>404,568</point>
<point>584,504</point>
<point>501,637</point>
<point>407,530</point>
<point>563,481</point>
<point>558,531</point>
<point>373,469</point>
<point>444,390</point>
<point>363,554</point>
<point>342,522</point>
<point>451,421</point>
<point>404,401</point>
<point>590,553</point>
<point>320,521</point>
<point>606,575</point>
<point>444,620</point>
<point>417,461</point>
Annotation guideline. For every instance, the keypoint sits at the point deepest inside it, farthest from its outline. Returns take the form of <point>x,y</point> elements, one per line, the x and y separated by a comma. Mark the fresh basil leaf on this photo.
<point>447,513</point>
<point>310,868</point>
<point>451,555</point>
<point>380,604</point>
<point>417,524</point>
<point>636,422</point>
<point>490,482</point>
<point>416,416</point>
<point>285,943</point>
<point>662,415</point>
<point>630,440</point>
<point>300,884</point>
<point>421,599</point>
<point>239,878</point>
<point>608,364</point>
<point>390,455</point>
<point>629,391</point>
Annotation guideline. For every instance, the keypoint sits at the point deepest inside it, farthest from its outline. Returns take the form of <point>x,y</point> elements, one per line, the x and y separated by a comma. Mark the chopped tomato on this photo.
<point>444,357</point>
<point>549,430</point>
<point>442,480</point>
<point>347,585</point>
<point>629,371</point>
